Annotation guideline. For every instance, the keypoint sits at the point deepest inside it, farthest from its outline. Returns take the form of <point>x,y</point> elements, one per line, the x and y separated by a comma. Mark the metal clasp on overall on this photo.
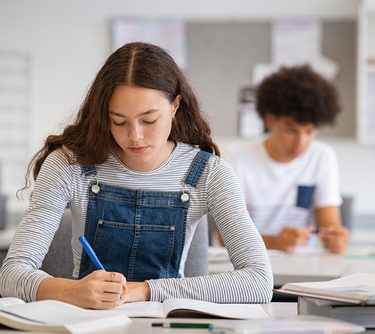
<point>95,187</point>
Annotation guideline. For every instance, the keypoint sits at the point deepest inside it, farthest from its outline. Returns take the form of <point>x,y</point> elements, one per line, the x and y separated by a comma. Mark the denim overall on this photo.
<point>138,233</point>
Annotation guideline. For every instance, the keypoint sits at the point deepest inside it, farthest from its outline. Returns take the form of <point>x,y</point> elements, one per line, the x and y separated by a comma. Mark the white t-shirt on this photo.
<point>285,194</point>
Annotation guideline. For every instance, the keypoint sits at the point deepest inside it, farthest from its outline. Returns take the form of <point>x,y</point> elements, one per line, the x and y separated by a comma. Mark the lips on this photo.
<point>297,153</point>
<point>138,150</point>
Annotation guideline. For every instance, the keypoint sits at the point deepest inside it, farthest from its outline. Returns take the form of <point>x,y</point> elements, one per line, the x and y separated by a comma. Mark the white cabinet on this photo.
<point>366,73</point>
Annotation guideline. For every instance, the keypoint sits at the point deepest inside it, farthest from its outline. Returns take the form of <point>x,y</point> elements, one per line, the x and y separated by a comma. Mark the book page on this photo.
<point>55,316</point>
<point>356,283</point>
<point>57,313</point>
<point>8,301</point>
<point>142,309</point>
<point>357,286</point>
<point>233,311</point>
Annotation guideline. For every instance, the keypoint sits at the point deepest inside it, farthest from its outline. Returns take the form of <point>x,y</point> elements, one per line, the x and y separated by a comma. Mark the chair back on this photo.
<point>59,260</point>
<point>346,211</point>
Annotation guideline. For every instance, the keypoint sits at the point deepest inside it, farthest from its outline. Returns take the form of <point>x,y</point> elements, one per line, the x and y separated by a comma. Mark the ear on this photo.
<point>176,104</point>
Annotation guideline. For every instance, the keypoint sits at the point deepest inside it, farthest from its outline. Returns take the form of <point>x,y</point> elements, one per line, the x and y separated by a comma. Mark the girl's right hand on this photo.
<point>98,290</point>
<point>101,289</point>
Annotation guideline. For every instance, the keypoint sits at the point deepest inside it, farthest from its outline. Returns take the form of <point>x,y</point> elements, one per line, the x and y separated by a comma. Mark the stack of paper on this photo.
<point>350,298</point>
<point>357,289</point>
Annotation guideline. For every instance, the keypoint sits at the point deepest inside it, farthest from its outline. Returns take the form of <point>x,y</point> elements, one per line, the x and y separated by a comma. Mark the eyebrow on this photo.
<point>293,125</point>
<point>148,112</point>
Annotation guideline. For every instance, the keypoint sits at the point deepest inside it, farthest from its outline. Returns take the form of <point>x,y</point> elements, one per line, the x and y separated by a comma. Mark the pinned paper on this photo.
<point>296,42</point>
<point>168,34</point>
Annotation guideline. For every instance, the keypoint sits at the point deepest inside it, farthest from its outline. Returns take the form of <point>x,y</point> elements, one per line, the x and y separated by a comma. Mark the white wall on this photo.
<point>357,173</point>
<point>70,39</point>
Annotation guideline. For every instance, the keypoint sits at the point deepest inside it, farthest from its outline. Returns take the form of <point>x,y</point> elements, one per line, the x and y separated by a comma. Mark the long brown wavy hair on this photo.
<point>139,64</point>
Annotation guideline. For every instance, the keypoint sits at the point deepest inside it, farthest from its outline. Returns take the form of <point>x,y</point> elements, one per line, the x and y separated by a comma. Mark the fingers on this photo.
<point>296,235</point>
<point>298,232</point>
<point>286,241</point>
<point>335,245</point>
<point>112,276</point>
<point>119,288</point>
<point>304,233</point>
<point>105,289</point>
<point>286,245</point>
<point>290,237</point>
<point>288,248</point>
<point>334,238</point>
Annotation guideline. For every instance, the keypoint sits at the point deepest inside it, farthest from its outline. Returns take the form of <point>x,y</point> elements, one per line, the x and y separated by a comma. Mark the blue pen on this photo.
<point>90,252</point>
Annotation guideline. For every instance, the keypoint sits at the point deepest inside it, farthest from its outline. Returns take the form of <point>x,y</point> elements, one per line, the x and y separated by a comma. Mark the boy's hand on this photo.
<point>334,238</point>
<point>290,237</point>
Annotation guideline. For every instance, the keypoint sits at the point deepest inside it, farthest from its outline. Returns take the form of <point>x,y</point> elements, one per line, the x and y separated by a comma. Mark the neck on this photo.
<point>273,153</point>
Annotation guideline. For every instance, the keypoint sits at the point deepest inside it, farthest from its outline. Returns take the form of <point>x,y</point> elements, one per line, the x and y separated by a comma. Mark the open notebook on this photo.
<point>56,316</point>
<point>188,307</point>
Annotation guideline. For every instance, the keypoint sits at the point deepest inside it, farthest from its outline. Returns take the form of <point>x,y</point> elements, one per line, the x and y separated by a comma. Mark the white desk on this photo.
<point>296,267</point>
<point>299,268</point>
<point>143,325</point>
<point>308,264</point>
<point>280,312</point>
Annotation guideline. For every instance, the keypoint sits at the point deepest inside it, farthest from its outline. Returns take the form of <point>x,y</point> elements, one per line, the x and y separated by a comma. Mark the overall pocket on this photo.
<point>138,251</point>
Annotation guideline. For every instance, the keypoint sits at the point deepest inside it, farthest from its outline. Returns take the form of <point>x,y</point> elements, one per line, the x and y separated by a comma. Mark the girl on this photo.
<point>137,169</point>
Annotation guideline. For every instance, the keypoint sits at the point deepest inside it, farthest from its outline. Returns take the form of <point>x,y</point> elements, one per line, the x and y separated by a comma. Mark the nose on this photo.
<point>135,131</point>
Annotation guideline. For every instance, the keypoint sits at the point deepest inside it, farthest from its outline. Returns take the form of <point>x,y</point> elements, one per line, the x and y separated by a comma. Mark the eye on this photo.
<point>119,124</point>
<point>290,129</point>
<point>150,121</point>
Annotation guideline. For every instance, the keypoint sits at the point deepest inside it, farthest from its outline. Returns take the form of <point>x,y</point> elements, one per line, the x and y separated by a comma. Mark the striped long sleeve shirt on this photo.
<point>60,183</point>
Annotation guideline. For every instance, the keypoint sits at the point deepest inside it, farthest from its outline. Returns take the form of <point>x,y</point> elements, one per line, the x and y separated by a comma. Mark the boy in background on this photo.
<point>290,180</point>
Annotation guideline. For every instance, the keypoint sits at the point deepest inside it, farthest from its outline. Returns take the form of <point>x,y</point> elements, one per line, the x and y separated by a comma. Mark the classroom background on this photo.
<point>50,51</point>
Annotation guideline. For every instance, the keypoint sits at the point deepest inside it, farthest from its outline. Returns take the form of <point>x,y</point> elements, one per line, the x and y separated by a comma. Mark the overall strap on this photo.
<point>88,170</point>
<point>196,168</point>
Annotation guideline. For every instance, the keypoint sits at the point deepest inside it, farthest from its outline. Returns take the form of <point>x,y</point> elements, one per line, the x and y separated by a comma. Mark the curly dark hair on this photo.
<point>300,93</point>
<point>142,65</point>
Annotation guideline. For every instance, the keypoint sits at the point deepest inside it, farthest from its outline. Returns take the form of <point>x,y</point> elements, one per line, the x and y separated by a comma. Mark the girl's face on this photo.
<point>140,123</point>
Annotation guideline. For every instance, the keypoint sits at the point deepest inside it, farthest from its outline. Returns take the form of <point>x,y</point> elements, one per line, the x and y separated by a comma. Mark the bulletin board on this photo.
<point>168,34</point>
